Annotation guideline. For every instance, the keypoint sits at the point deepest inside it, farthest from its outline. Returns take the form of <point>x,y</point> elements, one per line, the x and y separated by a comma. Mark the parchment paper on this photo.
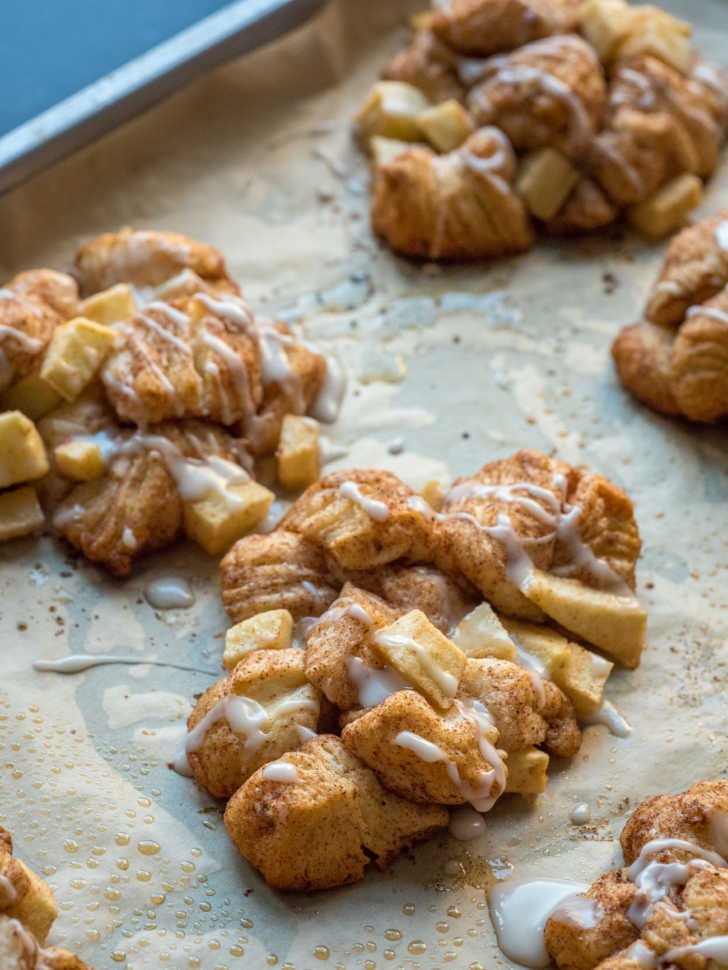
<point>479,362</point>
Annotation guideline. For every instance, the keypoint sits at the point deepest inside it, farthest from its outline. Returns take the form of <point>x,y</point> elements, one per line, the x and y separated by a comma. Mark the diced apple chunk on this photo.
<point>272,630</point>
<point>110,306</point>
<point>547,647</point>
<point>76,352</point>
<point>434,494</point>
<point>616,624</point>
<point>665,210</point>
<point>22,453</point>
<point>424,656</point>
<point>385,150</point>
<point>31,395</point>
<point>605,24</point>
<point>80,460</point>
<point>446,125</point>
<point>527,771</point>
<point>481,634</point>
<point>20,513</point>
<point>391,109</point>
<point>584,678</point>
<point>223,516</point>
<point>545,179</point>
<point>298,452</point>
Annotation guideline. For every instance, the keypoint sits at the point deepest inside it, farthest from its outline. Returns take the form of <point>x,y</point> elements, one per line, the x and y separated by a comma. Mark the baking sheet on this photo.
<point>478,361</point>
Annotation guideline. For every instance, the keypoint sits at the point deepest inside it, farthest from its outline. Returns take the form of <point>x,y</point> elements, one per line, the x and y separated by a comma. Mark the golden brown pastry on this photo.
<point>32,304</point>
<point>148,259</point>
<point>489,26</point>
<point>668,902</point>
<point>426,755</point>
<point>461,205</point>
<point>586,208</point>
<point>677,360</point>
<point>362,519</point>
<point>19,950</point>
<point>136,504</point>
<point>281,570</point>
<point>200,359</point>
<point>695,268</point>
<point>323,827</point>
<point>249,718</point>
<point>549,92</point>
<point>430,66</point>
<point>657,123</point>
<point>23,895</point>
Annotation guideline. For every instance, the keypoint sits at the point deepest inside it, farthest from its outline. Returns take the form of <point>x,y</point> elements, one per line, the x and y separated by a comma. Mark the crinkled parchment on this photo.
<point>450,368</point>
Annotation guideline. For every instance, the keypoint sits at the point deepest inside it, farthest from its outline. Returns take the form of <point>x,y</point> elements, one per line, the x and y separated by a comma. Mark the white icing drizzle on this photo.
<point>374,685</point>
<point>713,948</point>
<point>608,715</point>
<point>375,509</point>
<point>580,814</point>
<point>305,734</point>
<point>708,311</point>
<point>31,344</point>
<point>656,880</point>
<point>447,683</point>
<point>169,592</point>
<point>8,893</point>
<point>281,771</point>
<point>520,912</point>
<point>246,719</point>
<point>536,671</point>
<point>128,539</point>
<point>466,824</point>
<point>75,663</point>
<point>424,749</point>
<point>327,405</point>
<point>721,234</point>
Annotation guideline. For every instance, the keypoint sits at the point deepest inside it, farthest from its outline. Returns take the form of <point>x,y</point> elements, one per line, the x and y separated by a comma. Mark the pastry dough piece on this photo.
<point>695,269</point>
<point>674,849</point>
<point>699,361</point>
<point>324,828</point>
<point>23,895</point>
<point>498,523</point>
<point>488,26</point>
<point>548,93</point>
<point>137,505</point>
<point>658,123</point>
<point>455,206</point>
<point>362,519</point>
<point>425,755</point>
<point>586,208</point>
<point>641,354</point>
<point>419,587</point>
<point>250,717</point>
<point>147,259</point>
<point>32,304</point>
<point>292,375</point>
<point>429,65</point>
<point>201,359</point>
<point>340,655</point>
<point>281,570</point>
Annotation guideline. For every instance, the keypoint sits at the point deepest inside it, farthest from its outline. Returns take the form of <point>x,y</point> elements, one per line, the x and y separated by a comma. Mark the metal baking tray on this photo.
<point>51,49</point>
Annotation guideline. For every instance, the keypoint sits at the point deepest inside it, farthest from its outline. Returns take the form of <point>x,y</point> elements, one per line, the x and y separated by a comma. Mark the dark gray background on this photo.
<point>49,49</point>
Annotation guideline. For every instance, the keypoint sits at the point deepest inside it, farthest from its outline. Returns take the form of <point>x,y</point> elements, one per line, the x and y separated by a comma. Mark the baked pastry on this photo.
<point>438,700</point>
<point>152,395</point>
<point>602,110</point>
<point>668,905</point>
<point>676,359</point>
<point>324,828</point>
<point>452,206</point>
